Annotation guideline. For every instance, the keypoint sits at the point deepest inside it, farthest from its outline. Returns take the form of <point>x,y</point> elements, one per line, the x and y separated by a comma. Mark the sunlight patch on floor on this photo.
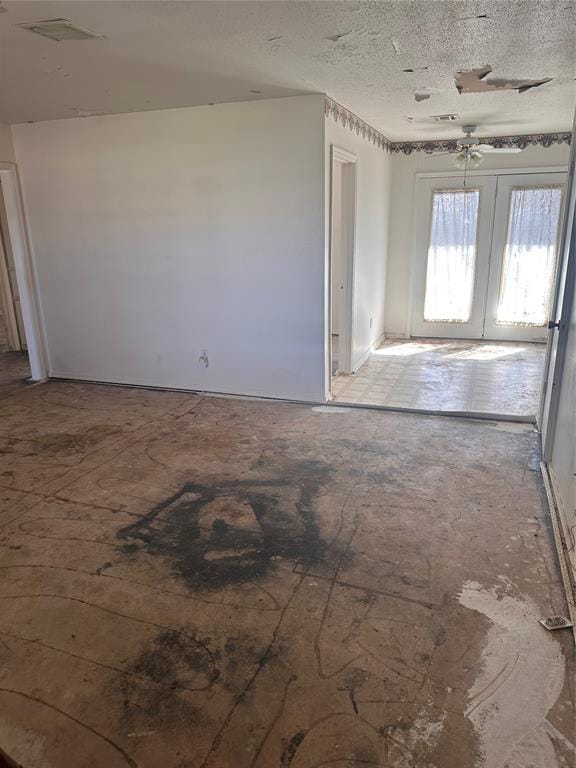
<point>448,375</point>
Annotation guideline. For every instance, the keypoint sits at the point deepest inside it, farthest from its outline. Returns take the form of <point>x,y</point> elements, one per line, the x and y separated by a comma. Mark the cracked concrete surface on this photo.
<point>213,583</point>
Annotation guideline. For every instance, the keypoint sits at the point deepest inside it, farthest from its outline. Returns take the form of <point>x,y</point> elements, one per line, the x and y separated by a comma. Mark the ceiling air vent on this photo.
<point>445,118</point>
<point>58,29</point>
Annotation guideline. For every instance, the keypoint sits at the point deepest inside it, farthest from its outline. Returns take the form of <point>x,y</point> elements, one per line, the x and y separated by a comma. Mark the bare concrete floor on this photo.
<point>193,582</point>
<point>14,371</point>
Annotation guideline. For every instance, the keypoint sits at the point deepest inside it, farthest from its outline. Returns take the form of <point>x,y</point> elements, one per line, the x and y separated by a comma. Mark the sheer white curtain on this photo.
<point>530,256</point>
<point>451,256</point>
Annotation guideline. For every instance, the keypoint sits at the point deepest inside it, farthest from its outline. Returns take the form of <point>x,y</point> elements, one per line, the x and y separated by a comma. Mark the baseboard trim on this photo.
<point>182,390</point>
<point>559,526</point>
<point>379,341</point>
<point>388,335</point>
<point>365,356</point>
<point>474,415</point>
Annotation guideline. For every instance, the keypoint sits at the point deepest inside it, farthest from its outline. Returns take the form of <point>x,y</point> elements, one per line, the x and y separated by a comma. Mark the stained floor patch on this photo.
<point>234,532</point>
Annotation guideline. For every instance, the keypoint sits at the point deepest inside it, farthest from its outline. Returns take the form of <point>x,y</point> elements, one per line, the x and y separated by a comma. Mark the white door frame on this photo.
<point>6,294</point>
<point>25,272</point>
<point>349,164</point>
<point>562,304</point>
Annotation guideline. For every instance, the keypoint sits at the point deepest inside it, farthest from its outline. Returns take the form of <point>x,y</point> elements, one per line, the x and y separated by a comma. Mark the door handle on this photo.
<point>553,324</point>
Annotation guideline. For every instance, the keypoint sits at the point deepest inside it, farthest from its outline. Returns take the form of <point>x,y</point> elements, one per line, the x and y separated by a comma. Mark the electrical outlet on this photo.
<point>204,358</point>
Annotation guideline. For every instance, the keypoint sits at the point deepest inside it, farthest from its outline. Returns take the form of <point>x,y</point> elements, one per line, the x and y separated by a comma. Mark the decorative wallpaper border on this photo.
<point>449,145</point>
<point>349,120</point>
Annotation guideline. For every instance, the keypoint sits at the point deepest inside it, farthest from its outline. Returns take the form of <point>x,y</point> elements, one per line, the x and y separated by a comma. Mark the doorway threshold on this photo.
<point>328,404</point>
<point>476,415</point>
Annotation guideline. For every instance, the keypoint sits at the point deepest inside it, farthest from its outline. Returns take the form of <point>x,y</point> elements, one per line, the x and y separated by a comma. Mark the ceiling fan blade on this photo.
<point>489,149</point>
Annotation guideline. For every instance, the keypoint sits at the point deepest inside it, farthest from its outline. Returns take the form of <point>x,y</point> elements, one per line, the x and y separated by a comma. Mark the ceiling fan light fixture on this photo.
<point>475,159</point>
<point>460,160</point>
<point>468,158</point>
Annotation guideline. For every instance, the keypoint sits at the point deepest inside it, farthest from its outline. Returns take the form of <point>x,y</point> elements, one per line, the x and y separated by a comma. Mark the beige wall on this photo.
<point>402,215</point>
<point>6,147</point>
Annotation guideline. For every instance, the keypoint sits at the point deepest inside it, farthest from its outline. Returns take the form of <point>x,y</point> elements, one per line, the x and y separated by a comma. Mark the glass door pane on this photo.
<point>453,236</point>
<point>529,261</point>
<point>451,256</point>
<point>524,255</point>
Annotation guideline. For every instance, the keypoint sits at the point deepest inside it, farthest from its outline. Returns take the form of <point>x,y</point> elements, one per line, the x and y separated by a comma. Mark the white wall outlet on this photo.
<point>204,358</point>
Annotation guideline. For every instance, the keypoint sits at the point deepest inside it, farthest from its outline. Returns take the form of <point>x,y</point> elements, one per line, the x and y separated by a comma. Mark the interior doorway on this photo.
<point>14,363</point>
<point>342,261</point>
<point>483,275</point>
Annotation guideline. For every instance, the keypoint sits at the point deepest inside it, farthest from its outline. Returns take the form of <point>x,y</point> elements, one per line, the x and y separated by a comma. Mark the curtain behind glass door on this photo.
<point>451,256</point>
<point>528,266</point>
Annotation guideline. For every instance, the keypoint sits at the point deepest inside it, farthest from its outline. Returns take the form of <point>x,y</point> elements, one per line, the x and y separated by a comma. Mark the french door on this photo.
<point>486,256</point>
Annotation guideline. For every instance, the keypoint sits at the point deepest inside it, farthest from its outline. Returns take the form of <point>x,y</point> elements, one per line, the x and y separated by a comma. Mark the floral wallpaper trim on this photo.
<point>449,145</point>
<point>349,120</point>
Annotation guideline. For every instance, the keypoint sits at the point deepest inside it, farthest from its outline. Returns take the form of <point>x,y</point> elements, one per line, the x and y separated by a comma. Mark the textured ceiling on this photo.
<point>169,54</point>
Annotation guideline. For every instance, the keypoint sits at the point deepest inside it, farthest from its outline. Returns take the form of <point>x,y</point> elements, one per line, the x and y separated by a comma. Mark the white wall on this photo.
<point>159,234</point>
<point>404,170</point>
<point>372,210</point>
<point>6,146</point>
<point>563,458</point>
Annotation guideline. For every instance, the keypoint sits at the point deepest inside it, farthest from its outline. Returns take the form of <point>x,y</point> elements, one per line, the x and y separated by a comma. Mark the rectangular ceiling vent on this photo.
<point>59,29</point>
<point>445,118</point>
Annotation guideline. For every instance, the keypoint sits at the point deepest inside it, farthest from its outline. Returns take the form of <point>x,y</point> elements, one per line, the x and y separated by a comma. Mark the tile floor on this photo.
<point>448,375</point>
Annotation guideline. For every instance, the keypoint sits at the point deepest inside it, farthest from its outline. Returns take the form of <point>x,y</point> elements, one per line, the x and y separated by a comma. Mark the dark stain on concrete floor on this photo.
<point>234,531</point>
<point>210,583</point>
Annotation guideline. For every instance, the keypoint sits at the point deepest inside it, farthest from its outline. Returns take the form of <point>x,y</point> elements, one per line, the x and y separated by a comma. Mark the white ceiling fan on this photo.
<point>470,150</point>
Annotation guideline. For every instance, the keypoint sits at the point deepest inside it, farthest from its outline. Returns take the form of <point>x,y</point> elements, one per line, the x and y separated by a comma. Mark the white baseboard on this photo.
<point>388,335</point>
<point>560,528</point>
<point>378,342</point>
<point>363,358</point>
